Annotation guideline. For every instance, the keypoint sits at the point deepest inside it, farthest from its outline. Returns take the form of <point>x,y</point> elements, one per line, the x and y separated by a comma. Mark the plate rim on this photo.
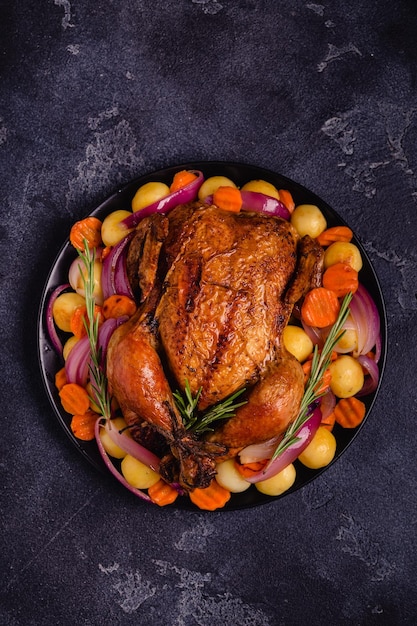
<point>44,345</point>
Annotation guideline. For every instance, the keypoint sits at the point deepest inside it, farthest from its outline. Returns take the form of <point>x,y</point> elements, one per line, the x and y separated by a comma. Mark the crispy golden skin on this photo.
<point>217,289</point>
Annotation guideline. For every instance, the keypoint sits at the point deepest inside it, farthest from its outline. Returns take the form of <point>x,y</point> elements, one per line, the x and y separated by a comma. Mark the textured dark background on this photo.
<point>96,93</point>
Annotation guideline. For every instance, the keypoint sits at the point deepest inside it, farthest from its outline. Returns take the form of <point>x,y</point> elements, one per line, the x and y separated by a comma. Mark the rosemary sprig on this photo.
<point>319,365</point>
<point>201,422</point>
<point>222,410</point>
<point>187,405</point>
<point>97,376</point>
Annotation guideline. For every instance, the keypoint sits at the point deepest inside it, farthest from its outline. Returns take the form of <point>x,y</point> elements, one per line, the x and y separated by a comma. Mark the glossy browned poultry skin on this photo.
<point>137,379</point>
<point>273,402</point>
<point>224,304</point>
<point>213,314</point>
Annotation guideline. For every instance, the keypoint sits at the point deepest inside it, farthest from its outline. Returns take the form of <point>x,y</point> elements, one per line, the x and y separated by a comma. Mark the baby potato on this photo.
<point>211,184</point>
<point>63,308</point>
<point>110,447</point>
<point>320,451</point>
<point>229,477</point>
<point>148,194</point>
<point>262,186</point>
<point>111,230</point>
<point>137,473</point>
<point>347,376</point>
<point>348,342</point>
<point>68,346</point>
<point>343,252</point>
<point>278,484</point>
<point>307,219</point>
<point>297,342</point>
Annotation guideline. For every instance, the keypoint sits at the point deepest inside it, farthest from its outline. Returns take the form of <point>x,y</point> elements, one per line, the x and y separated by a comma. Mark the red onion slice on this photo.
<point>371,381</point>
<point>260,203</point>
<point>316,335</point>
<point>77,275</point>
<point>378,348</point>
<point>259,451</point>
<point>327,404</point>
<point>358,313</point>
<point>182,196</point>
<point>50,324</point>
<point>132,447</point>
<point>304,435</point>
<point>105,332</point>
<point>113,469</point>
<point>77,363</point>
<point>113,274</point>
<point>366,317</point>
<point>374,323</point>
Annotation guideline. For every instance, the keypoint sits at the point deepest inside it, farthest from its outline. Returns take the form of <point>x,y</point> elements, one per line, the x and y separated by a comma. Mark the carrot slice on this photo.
<point>105,252</point>
<point>341,278</point>
<point>90,229</point>
<point>320,307</point>
<point>182,179</point>
<point>349,412</point>
<point>162,494</point>
<point>117,306</point>
<point>249,469</point>
<point>286,199</point>
<point>83,425</point>
<point>325,384</point>
<point>228,198</point>
<point>60,378</point>
<point>329,421</point>
<point>211,498</point>
<point>327,377</point>
<point>334,233</point>
<point>74,399</point>
<point>79,319</point>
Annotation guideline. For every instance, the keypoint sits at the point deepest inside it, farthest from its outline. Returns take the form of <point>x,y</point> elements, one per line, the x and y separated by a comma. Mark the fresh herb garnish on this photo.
<point>201,422</point>
<point>98,378</point>
<point>319,365</point>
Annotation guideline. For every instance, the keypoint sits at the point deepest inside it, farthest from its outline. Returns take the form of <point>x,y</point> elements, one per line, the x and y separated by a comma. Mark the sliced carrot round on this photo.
<point>320,307</point>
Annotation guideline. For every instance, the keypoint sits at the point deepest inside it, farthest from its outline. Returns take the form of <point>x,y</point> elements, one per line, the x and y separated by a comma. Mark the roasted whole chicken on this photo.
<point>216,290</point>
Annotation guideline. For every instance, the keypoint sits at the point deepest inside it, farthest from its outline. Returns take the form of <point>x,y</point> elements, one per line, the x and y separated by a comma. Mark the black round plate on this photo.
<point>240,173</point>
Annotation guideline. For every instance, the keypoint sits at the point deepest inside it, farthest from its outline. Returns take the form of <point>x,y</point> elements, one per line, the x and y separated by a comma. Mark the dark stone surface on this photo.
<point>94,94</point>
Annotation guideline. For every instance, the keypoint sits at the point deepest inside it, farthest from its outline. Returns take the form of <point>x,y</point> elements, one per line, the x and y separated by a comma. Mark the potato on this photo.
<point>343,252</point>
<point>347,376</point>
<point>111,230</point>
<point>278,484</point>
<point>63,308</point>
<point>297,342</point>
<point>211,184</point>
<point>229,477</point>
<point>348,342</point>
<point>68,346</point>
<point>148,194</point>
<point>307,219</point>
<point>110,447</point>
<point>137,473</point>
<point>320,451</point>
<point>262,186</point>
